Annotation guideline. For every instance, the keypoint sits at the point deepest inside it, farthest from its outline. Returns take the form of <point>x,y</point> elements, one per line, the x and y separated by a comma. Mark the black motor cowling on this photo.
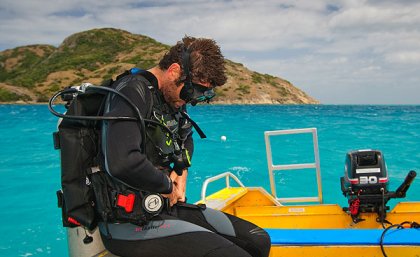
<point>365,171</point>
<point>365,184</point>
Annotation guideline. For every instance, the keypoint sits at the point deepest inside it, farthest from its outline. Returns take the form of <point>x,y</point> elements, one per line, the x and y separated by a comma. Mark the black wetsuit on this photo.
<point>181,230</point>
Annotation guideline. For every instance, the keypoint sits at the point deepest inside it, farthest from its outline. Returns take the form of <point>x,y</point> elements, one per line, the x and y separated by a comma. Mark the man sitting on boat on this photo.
<point>146,171</point>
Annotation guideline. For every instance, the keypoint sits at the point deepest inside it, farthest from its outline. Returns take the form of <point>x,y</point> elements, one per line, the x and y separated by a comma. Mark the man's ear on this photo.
<point>174,71</point>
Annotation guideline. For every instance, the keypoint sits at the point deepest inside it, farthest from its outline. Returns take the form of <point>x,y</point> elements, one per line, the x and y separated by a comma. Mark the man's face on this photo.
<point>171,95</point>
<point>172,90</point>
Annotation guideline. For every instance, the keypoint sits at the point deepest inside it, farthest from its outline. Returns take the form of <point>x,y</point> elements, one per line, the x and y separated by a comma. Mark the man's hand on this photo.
<point>178,188</point>
<point>173,196</point>
<point>181,183</point>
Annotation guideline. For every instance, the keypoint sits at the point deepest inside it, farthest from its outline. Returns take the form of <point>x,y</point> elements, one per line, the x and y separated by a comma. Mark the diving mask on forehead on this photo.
<point>193,93</point>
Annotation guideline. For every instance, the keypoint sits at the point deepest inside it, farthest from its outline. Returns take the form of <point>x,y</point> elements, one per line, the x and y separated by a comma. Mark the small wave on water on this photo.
<point>241,172</point>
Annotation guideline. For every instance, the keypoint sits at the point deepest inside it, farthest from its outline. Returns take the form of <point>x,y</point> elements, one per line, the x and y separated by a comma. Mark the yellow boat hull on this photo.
<point>259,207</point>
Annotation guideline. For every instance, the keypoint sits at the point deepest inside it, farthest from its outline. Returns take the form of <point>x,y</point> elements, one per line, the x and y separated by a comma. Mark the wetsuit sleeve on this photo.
<point>124,157</point>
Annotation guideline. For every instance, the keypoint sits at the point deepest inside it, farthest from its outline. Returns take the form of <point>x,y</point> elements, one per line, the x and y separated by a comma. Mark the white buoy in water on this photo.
<point>223,138</point>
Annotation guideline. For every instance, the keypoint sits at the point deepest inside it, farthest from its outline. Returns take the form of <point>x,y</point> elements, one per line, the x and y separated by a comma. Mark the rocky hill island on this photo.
<point>31,74</point>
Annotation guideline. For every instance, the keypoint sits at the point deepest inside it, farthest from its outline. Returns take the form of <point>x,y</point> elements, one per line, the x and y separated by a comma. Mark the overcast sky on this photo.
<point>340,52</point>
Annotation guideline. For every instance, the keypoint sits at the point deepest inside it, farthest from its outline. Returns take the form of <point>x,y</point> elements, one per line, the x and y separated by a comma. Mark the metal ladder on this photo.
<point>314,165</point>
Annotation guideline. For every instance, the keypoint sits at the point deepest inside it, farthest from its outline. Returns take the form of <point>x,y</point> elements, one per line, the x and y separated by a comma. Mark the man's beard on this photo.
<point>170,95</point>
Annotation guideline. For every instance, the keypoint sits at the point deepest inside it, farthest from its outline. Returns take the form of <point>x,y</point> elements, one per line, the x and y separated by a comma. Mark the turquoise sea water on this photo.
<point>30,172</point>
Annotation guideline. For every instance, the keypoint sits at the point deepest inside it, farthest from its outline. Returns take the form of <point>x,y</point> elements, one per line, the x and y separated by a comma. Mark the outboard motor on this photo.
<point>365,184</point>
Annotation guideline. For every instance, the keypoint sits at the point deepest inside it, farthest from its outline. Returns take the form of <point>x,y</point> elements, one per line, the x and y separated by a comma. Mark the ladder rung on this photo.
<point>294,166</point>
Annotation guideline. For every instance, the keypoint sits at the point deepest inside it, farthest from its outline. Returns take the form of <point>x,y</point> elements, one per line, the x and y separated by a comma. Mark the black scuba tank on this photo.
<point>79,149</point>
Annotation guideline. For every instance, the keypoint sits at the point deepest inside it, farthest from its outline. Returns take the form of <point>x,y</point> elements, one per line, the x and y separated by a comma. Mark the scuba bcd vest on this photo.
<point>89,194</point>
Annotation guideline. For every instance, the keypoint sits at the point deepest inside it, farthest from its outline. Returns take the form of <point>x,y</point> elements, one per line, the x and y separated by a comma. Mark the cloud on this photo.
<point>404,57</point>
<point>324,47</point>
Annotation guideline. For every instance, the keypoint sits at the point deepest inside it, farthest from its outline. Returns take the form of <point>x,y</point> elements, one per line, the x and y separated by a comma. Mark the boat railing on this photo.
<point>226,175</point>
<point>315,165</point>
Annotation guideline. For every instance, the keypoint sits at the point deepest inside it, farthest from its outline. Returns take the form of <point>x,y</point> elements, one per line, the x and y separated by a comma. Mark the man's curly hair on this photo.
<point>207,63</point>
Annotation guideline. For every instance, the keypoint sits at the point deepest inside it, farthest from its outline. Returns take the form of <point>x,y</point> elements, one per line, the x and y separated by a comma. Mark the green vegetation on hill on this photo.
<point>27,62</point>
<point>7,96</point>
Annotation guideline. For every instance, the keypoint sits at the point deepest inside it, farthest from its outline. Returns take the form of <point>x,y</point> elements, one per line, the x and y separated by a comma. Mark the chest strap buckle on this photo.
<point>126,201</point>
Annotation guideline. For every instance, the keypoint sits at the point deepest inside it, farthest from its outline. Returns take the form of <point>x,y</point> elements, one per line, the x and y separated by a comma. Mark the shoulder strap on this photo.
<point>195,125</point>
<point>147,79</point>
<point>151,87</point>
